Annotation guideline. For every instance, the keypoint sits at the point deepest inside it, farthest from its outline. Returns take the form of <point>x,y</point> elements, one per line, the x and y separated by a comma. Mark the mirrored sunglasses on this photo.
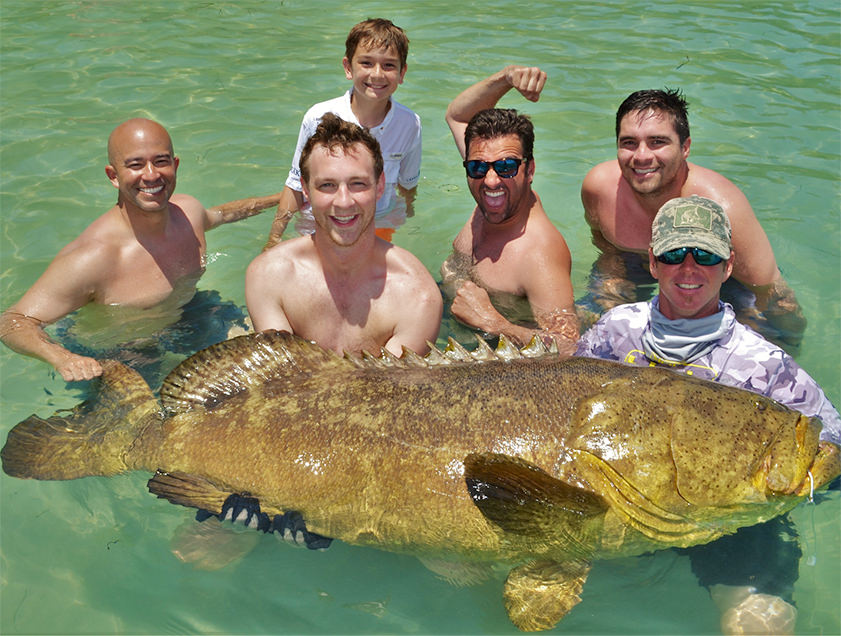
<point>677,256</point>
<point>504,168</point>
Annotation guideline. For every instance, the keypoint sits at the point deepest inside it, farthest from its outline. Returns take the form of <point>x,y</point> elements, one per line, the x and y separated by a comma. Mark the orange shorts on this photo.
<point>385,233</point>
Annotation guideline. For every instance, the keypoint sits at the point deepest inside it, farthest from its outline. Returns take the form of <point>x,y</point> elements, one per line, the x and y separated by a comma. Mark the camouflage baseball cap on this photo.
<point>691,222</point>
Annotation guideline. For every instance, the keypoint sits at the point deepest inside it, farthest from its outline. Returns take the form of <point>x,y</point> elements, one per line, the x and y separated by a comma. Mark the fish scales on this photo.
<point>543,463</point>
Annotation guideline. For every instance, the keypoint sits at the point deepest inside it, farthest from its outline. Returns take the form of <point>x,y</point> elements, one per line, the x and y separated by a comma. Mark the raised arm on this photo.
<point>66,285</point>
<point>528,80</point>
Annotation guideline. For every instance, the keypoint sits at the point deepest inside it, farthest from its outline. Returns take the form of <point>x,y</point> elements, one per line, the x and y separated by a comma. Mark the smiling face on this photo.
<point>343,190</point>
<point>689,290</point>
<point>142,165</point>
<point>500,199</point>
<point>649,151</point>
<point>376,72</point>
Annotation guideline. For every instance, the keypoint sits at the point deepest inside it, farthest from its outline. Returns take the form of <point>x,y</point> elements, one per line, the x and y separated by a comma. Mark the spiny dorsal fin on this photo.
<point>456,352</point>
<point>412,359</point>
<point>536,348</point>
<point>506,349</point>
<point>483,351</point>
<point>221,371</point>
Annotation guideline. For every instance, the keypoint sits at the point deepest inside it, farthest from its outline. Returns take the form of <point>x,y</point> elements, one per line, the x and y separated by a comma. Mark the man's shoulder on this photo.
<point>599,191</point>
<point>601,174</point>
<point>283,256</point>
<point>407,271</point>
<point>539,237</point>
<point>96,249</point>
<point>753,345</point>
<point>108,231</point>
<point>397,256</point>
<point>190,206</point>
<point>713,185</point>
<point>185,200</point>
<point>539,227</point>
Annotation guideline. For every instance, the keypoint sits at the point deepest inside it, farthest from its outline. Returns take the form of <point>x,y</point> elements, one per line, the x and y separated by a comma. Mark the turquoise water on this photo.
<point>231,80</point>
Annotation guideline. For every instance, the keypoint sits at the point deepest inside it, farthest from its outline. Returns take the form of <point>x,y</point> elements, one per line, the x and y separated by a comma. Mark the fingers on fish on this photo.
<point>196,492</point>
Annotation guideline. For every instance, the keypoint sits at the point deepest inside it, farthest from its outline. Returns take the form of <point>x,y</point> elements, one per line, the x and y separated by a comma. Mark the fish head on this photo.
<point>756,450</point>
<point>797,462</point>
<point>684,444</point>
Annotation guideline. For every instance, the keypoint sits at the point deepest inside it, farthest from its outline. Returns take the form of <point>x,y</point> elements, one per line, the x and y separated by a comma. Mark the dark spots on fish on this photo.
<point>241,508</point>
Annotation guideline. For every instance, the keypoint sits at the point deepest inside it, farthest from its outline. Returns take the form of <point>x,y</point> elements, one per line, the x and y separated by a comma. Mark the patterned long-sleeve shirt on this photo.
<point>742,359</point>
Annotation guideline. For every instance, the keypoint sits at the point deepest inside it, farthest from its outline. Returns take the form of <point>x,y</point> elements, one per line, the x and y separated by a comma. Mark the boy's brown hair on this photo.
<point>378,33</point>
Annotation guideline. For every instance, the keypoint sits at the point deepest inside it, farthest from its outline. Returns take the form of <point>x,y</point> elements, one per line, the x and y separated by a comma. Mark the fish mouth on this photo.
<point>825,468</point>
<point>799,462</point>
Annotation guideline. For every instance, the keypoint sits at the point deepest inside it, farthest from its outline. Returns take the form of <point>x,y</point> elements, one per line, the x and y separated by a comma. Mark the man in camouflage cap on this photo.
<point>687,328</point>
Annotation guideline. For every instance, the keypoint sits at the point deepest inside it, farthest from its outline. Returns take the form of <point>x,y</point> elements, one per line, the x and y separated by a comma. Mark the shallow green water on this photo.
<point>231,80</point>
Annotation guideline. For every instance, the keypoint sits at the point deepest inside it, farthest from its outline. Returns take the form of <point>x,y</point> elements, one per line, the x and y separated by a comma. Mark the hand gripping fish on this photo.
<point>474,457</point>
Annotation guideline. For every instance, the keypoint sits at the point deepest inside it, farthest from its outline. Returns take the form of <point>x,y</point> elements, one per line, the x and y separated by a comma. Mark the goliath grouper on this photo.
<point>540,463</point>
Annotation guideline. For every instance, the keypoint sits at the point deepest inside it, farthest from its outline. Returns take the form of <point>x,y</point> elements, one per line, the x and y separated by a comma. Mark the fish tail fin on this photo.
<point>94,438</point>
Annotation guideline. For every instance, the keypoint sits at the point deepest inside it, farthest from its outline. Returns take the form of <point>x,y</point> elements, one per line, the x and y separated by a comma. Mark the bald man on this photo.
<point>146,251</point>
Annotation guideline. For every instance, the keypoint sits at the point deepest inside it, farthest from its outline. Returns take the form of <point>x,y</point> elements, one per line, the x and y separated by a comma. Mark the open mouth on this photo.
<point>344,220</point>
<point>154,190</point>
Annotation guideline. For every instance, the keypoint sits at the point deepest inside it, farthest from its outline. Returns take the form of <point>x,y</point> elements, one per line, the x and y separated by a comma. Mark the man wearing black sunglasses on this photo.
<point>688,329</point>
<point>508,249</point>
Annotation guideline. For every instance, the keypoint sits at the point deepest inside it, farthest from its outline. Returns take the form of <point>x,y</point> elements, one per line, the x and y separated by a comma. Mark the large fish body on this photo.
<point>543,463</point>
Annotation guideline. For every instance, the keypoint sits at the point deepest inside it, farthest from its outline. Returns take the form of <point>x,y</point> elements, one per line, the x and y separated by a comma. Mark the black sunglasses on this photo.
<point>504,168</point>
<point>677,256</point>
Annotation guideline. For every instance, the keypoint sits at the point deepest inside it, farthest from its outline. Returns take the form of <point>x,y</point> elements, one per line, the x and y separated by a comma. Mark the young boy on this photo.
<point>375,61</point>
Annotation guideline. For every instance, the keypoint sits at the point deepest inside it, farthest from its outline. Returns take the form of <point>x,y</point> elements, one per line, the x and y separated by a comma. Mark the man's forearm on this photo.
<point>561,328</point>
<point>25,335</point>
<point>241,208</point>
<point>289,202</point>
<point>481,95</point>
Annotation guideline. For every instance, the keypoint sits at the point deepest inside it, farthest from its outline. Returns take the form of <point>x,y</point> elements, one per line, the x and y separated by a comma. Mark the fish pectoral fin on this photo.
<point>522,498</point>
<point>539,594</point>
<point>188,490</point>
